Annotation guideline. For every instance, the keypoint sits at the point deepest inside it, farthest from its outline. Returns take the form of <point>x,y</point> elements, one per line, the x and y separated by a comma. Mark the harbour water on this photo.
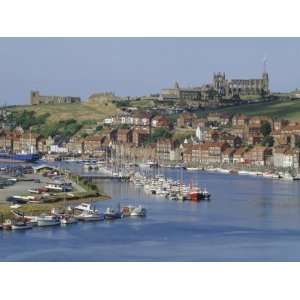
<point>247,219</point>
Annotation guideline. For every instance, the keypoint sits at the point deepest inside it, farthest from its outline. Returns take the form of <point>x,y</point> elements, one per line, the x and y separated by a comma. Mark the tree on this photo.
<point>268,141</point>
<point>157,134</point>
<point>265,128</point>
<point>83,135</point>
<point>99,127</point>
<point>124,126</point>
<point>27,119</point>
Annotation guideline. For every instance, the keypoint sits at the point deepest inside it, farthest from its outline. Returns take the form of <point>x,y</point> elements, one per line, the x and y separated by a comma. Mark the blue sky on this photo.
<point>138,66</point>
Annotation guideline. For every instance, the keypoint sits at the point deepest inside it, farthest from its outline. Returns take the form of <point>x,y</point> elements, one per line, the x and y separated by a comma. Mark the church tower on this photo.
<point>265,78</point>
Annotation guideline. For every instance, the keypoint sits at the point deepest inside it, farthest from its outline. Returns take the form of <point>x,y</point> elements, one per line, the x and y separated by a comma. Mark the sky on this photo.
<point>138,66</point>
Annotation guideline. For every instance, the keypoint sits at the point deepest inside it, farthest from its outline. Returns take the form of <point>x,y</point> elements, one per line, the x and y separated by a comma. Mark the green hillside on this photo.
<point>79,112</point>
<point>288,109</point>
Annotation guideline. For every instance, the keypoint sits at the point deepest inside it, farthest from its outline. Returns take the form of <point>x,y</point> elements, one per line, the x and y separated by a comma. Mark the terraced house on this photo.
<point>164,149</point>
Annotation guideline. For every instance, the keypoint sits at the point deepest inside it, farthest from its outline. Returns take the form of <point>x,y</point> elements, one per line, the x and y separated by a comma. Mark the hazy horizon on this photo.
<point>138,66</point>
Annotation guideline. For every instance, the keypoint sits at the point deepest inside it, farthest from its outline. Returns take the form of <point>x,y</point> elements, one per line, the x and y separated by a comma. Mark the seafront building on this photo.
<point>214,139</point>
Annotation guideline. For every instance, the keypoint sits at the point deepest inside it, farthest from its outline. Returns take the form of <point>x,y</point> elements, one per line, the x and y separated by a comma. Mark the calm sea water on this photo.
<point>247,219</point>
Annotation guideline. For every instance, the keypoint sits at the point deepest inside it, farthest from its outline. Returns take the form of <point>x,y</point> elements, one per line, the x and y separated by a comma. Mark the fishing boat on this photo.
<point>66,220</point>
<point>48,220</point>
<point>31,219</point>
<point>193,194</point>
<point>90,216</point>
<point>111,214</point>
<point>86,207</point>
<point>21,225</point>
<point>138,211</point>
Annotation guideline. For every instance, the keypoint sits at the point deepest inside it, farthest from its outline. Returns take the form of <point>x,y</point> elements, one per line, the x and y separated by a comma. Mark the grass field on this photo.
<point>182,133</point>
<point>283,109</point>
<point>288,109</point>
<point>80,112</point>
<point>145,103</point>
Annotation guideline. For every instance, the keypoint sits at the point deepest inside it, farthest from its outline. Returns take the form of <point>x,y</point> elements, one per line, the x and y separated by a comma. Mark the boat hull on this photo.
<point>46,223</point>
<point>90,217</point>
<point>21,227</point>
<point>112,216</point>
<point>68,221</point>
<point>19,157</point>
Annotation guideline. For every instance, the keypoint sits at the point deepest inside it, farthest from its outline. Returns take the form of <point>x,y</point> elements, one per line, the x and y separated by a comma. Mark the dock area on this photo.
<point>34,186</point>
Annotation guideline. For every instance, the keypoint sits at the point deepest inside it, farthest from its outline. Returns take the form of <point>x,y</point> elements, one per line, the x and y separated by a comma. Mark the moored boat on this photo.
<point>138,211</point>
<point>90,216</point>
<point>19,214</point>
<point>21,225</point>
<point>66,220</point>
<point>47,220</point>
<point>22,157</point>
<point>297,177</point>
<point>85,207</point>
<point>192,169</point>
<point>111,214</point>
